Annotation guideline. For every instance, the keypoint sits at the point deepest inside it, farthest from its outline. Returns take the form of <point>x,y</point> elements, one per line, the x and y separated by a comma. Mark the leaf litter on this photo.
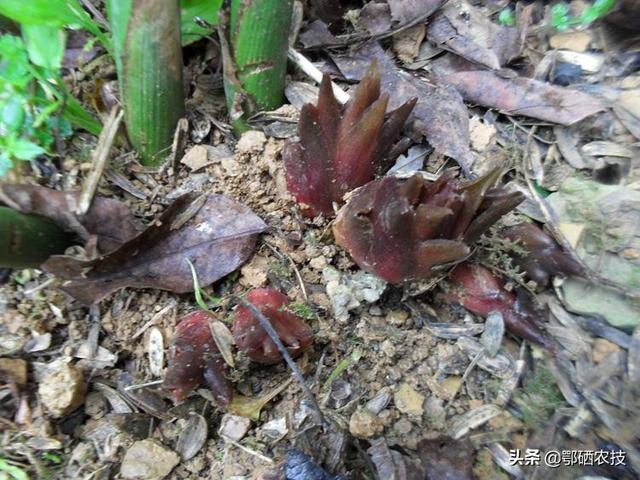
<point>404,337</point>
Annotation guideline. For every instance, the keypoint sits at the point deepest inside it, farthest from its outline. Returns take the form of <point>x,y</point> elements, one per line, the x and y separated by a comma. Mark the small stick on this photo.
<point>248,450</point>
<point>99,158</point>
<point>307,67</point>
<point>138,386</point>
<point>266,324</point>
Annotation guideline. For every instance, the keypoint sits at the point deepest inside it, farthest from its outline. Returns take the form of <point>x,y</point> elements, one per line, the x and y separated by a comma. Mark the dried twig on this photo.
<point>307,67</point>
<point>99,158</point>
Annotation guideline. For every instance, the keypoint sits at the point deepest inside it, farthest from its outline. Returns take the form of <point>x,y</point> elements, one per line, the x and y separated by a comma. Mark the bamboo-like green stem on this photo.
<point>28,240</point>
<point>258,33</point>
<point>149,61</point>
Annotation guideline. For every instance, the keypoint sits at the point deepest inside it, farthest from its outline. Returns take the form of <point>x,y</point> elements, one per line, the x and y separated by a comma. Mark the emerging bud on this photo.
<point>252,339</point>
<point>543,258</point>
<point>479,291</point>
<point>339,148</point>
<point>195,359</point>
<point>400,229</point>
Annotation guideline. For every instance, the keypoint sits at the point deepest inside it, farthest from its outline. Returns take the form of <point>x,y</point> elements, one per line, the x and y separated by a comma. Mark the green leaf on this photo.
<point>78,116</point>
<point>12,114</point>
<point>206,10</point>
<point>5,165</point>
<point>14,62</point>
<point>560,16</point>
<point>23,149</point>
<point>45,45</point>
<point>507,17</point>
<point>598,10</point>
<point>57,13</point>
<point>15,472</point>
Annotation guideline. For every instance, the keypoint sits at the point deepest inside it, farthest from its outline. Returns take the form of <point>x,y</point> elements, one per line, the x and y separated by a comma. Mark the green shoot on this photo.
<point>341,367</point>
<point>539,398</point>
<point>199,293</point>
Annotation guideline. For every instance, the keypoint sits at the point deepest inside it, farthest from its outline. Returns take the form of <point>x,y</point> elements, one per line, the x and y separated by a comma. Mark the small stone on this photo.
<point>62,390</point>
<point>402,427</point>
<point>14,370</point>
<point>318,263</point>
<point>482,134</point>
<point>363,424</point>
<point>575,41</point>
<point>196,158</point>
<point>234,427</point>
<point>148,459</point>
<point>388,348</point>
<point>379,402</point>
<point>602,349</point>
<point>254,273</point>
<point>251,142</point>
<point>450,386</point>
<point>408,400</point>
<point>397,317</point>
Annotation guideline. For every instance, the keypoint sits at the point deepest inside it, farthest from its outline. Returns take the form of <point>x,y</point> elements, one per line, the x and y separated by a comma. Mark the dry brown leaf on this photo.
<point>108,219</point>
<point>217,240</point>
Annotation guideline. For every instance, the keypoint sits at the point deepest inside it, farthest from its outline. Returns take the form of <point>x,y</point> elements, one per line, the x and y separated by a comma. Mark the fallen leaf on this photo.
<point>108,219</point>
<point>375,18</point>
<point>516,96</point>
<point>440,114</point>
<point>217,240</point>
<point>405,11</point>
<point>251,407</point>
<point>627,109</point>
<point>300,466</point>
<point>468,32</point>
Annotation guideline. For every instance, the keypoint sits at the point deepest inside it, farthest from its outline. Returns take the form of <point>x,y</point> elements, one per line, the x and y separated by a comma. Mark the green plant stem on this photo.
<point>27,240</point>
<point>258,35</point>
<point>146,37</point>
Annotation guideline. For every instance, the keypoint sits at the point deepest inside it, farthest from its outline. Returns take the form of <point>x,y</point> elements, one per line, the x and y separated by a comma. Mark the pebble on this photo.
<point>62,390</point>
<point>363,424</point>
<point>148,459</point>
<point>234,427</point>
<point>408,400</point>
<point>251,142</point>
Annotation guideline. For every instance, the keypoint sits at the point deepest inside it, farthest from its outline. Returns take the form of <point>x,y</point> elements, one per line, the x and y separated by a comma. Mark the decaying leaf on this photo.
<point>401,229</point>
<point>300,466</point>
<point>339,148</point>
<point>516,96</point>
<point>440,114</point>
<point>467,31</point>
<point>391,463</point>
<point>542,257</point>
<point>108,219</point>
<point>478,290</point>
<point>404,11</point>
<point>252,339</point>
<point>217,239</point>
<point>195,360</point>
<point>251,407</point>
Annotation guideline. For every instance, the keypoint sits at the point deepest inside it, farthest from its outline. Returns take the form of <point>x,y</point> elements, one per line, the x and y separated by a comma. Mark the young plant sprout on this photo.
<point>341,148</point>
<point>542,257</point>
<point>400,229</point>
<point>479,291</point>
<point>252,339</point>
<point>195,360</point>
